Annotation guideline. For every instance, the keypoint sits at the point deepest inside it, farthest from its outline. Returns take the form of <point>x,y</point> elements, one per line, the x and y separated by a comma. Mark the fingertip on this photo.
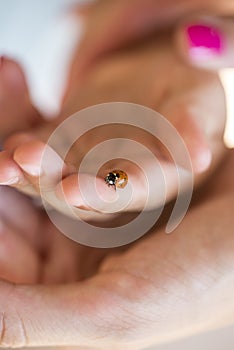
<point>68,191</point>
<point>12,76</point>
<point>206,43</point>
<point>29,155</point>
<point>19,262</point>
<point>67,195</point>
<point>202,160</point>
<point>16,140</point>
<point>10,173</point>
<point>196,154</point>
<point>85,191</point>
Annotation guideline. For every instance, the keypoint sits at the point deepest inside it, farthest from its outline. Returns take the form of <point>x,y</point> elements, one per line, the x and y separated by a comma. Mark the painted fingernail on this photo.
<point>204,41</point>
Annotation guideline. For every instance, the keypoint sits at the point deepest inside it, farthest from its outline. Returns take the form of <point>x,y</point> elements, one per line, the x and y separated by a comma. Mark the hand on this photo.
<point>171,262</point>
<point>19,239</point>
<point>29,242</point>
<point>162,288</point>
<point>206,42</point>
<point>150,75</point>
<point>20,242</point>
<point>110,25</point>
<point>21,114</point>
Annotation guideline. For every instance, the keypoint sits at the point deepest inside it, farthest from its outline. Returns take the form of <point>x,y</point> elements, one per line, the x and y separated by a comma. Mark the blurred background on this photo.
<point>35,33</point>
<point>41,36</point>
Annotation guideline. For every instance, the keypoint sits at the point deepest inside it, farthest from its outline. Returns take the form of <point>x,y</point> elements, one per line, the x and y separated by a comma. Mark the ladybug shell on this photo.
<point>121,178</point>
<point>117,178</point>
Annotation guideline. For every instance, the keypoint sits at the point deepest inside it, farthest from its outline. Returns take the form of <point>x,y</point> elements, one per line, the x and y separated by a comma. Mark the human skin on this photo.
<point>187,271</point>
<point>21,114</point>
<point>129,297</point>
<point>109,25</point>
<point>149,74</point>
<point>159,289</point>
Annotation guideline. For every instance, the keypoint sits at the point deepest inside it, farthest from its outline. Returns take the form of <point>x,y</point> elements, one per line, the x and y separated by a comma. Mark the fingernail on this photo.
<point>204,41</point>
<point>32,170</point>
<point>13,181</point>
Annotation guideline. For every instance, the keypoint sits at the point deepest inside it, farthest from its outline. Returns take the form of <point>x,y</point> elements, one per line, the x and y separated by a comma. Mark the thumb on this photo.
<point>207,42</point>
<point>88,313</point>
<point>16,109</point>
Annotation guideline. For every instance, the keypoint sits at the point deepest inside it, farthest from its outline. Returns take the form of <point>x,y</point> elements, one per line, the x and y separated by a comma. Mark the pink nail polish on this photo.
<point>204,41</point>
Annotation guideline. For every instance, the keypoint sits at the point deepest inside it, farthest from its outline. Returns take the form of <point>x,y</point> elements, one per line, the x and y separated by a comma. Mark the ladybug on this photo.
<point>117,179</point>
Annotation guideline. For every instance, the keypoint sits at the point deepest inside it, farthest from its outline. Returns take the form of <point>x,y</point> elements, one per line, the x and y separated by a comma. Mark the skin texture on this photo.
<point>127,298</point>
<point>124,298</point>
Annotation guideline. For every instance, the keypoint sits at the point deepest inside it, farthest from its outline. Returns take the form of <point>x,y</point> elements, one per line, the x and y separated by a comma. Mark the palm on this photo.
<point>138,71</point>
<point>41,253</point>
<point>64,260</point>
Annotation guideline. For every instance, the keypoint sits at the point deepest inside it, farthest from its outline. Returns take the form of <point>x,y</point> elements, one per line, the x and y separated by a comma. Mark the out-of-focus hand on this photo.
<point>16,112</point>
<point>161,288</point>
<point>110,25</point>
<point>149,74</point>
<point>206,42</point>
<point>20,242</point>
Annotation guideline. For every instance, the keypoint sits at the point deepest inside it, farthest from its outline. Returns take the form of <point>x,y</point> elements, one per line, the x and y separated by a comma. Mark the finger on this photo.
<point>141,192</point>
<point>61,263</point>
<point>19,262</point>
<point>36,166</point>
<point>34,308</point>
<point>76,311</point>
<point>199,115</point>
<point>14,207</point>
<point>12,175</point>
<point>70,191</point>
<point>13,87</point>
<point>82,9</point>
<point>10,172</point>
<point>16,140</point>
<point>125,303</point>
<point>207,42</point>
<point>42,165</point>
<point>43,168</point>
<point>193,114</point>
<point>185,121</point>
<point>105,30</point>
<point>111,25</point>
